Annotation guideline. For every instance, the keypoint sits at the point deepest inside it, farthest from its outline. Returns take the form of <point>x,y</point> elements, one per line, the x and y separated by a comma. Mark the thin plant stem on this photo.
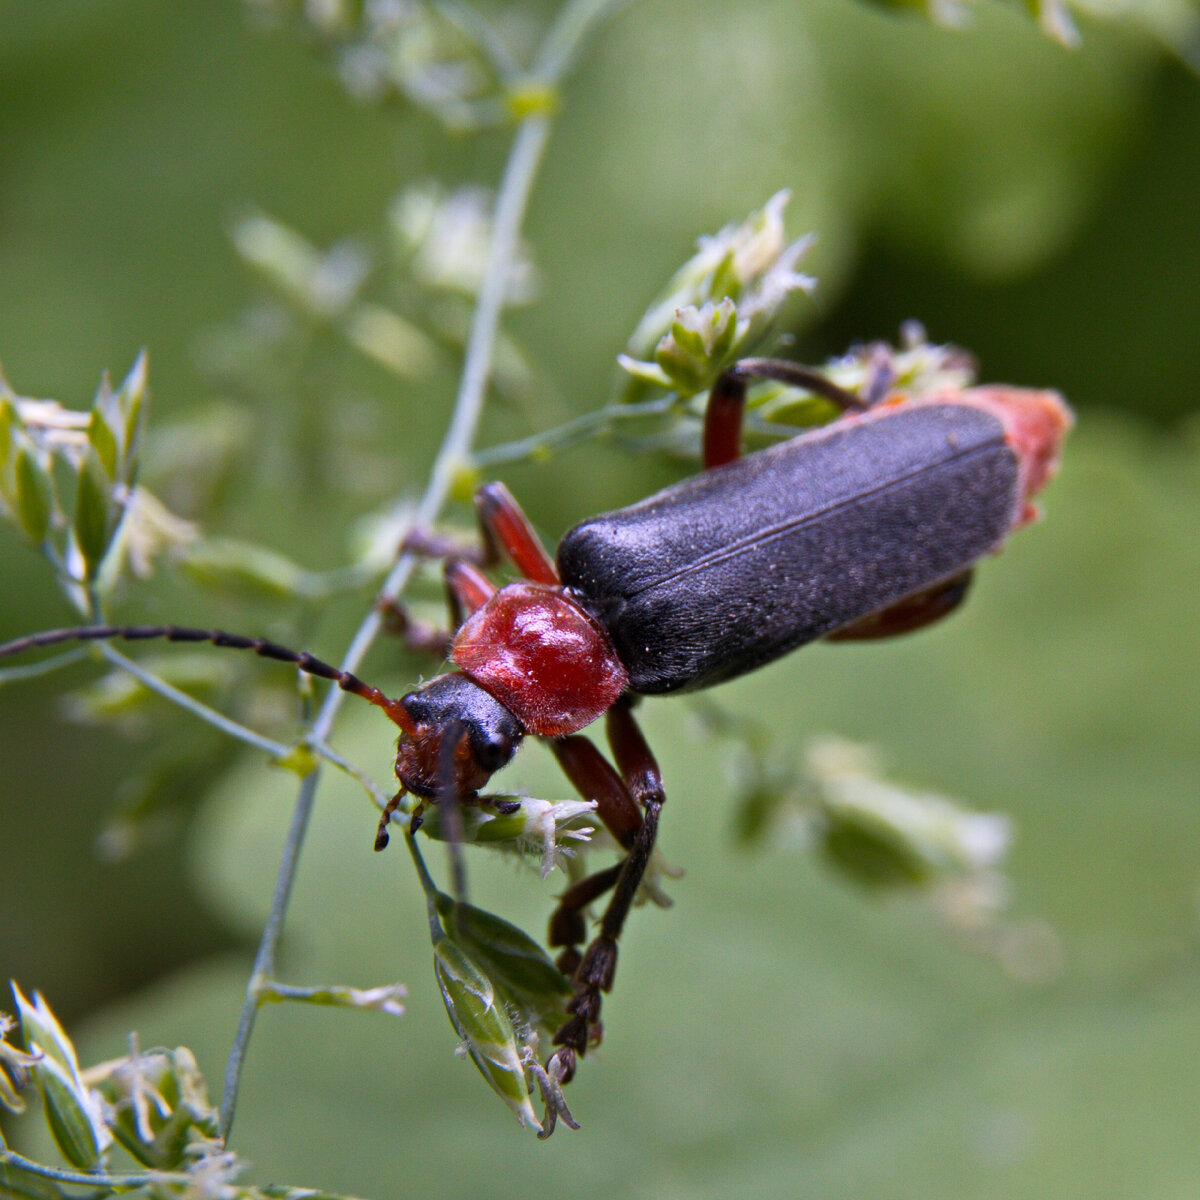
<point>264,959</point>
<point>54,663</point>
<point>436,932</point>
<point>563,42</point>
<point>575,20</point>
<point>578,429</point>
<point>377,794</point>
<point>191,704</point>
<point>122,1179</point>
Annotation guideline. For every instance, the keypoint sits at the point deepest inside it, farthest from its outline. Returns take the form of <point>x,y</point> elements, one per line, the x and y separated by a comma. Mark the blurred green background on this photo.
<point>777,1032</point>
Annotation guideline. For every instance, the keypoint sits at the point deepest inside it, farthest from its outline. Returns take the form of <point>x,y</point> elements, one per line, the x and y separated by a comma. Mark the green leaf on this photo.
<point>95,512</point>
<point>131,404</point>
<point>120,695</point>
<point>9,423</point>
<point>485,1028</point>
<point>77,1129</point>
<point>34,496</point>
<point>243,567</point>
<point>513,960</point>
<point>103,441</point>
<point>71,1111</point>
<point>114,430</point>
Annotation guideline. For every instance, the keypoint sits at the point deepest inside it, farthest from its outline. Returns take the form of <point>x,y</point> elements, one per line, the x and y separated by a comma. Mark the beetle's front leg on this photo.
<point>594,778</point>
<point>641,776</point>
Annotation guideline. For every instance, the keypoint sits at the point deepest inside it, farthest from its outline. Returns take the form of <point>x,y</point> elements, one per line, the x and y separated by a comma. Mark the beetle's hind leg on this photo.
<point>727,401</point>
<point>594,778</point>
<point>910,614</point>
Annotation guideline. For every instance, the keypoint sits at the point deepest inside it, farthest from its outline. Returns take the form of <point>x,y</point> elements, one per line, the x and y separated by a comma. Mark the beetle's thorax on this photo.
<point>536,650</point>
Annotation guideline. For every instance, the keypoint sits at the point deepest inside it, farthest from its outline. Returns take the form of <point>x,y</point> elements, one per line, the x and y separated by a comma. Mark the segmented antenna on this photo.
<point>217,637</point>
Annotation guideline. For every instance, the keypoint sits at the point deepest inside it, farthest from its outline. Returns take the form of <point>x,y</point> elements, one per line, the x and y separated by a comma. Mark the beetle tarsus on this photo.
<point>418,636</point>
<point>382,836</point>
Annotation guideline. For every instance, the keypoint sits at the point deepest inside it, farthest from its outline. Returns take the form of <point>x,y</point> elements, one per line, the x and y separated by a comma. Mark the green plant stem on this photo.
<point>578,429</point>
<point>436,932</point>
<point>191,704</point>
<point>556,55</point>
<point>377,794</point>
<point>573,23</point>
<point>122,1179</point>
<point>45,667</point>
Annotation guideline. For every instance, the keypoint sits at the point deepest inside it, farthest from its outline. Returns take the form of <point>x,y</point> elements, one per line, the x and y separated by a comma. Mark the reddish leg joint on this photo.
<point>503,521</point>
<point>727,402</point>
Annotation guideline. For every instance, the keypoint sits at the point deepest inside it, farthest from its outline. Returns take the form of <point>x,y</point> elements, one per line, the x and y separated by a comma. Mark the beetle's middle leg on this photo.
<point>727,401</point>
<point>467,588</point>
<point>504,530</point>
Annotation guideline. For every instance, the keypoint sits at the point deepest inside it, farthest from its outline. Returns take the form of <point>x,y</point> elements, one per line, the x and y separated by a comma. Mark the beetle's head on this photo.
<point>460,736</point>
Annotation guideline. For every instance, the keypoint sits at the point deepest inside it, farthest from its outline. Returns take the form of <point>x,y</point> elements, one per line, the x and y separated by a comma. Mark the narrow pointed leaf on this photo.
<point>480,1020</point>
<point>34,495</point>
<point>71,1111</point>
<point>77,1129</point>
<point>104,442</point>
<point>94,521</point>
<point>513,960</point>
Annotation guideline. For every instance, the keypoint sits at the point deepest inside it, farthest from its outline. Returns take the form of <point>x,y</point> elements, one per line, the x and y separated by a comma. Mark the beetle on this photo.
<point>867,527</point>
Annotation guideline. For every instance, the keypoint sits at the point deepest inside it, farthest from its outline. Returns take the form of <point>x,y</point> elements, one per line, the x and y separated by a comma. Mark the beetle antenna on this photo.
<point>217,637</point>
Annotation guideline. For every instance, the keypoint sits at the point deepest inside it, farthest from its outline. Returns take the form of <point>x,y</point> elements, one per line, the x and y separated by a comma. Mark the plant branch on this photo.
<point>191,704</point>
<point>45,667</point>
<point>121,1179</point>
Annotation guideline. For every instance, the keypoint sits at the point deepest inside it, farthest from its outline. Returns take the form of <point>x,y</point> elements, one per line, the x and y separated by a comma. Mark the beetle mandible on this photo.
<point>866,527</point>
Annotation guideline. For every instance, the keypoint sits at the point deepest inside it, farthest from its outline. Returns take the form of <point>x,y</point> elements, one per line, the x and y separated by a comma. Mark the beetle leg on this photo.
<point>727,401</point>
<point>418,636</point>
<point>594,778</point>
<point>503,530</point>
<point>568,928</point>
<point>423,544</point>
<point>467,588</point>
<point>505,527</point>
<point>910,614</point>
<point>596,972</point>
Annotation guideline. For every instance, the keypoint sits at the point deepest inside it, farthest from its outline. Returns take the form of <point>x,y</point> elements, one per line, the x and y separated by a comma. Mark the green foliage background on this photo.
<point>776,1032</point>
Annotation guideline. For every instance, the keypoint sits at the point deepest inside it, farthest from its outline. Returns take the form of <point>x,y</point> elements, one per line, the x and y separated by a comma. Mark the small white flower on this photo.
<point>547,823</point>
<point>150,529</point>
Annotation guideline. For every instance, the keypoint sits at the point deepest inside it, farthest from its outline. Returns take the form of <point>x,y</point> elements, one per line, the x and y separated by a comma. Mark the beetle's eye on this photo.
<point>493,754</point>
